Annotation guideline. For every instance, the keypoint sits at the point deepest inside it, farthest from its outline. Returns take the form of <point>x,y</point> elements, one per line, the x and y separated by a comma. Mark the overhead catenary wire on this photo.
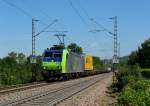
<point>88,16</point>
<point>21,10</point>
<point>101,26</point>
<point>77,12</point>
<point>92,19</point>
<point>29,15</point>
<point>50,18</point>
<point>83,9</point>
<point>18,8</point>
<point>45,14</point>
<point>46,27</point>
<point>85,12</point>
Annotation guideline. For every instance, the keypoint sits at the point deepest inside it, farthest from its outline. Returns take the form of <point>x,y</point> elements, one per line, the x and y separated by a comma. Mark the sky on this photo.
<point>74,16</point>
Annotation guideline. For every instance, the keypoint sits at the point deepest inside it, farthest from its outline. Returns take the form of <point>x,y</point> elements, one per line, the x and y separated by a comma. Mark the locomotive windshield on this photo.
<point>48,54</point>
<point>55,55</point>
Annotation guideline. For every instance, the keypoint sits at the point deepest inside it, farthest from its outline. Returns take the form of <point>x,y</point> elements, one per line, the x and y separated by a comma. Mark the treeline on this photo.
<point>98,64</point>
<point>132,78</point>
<point>16,69</point>
<point>141,56</point>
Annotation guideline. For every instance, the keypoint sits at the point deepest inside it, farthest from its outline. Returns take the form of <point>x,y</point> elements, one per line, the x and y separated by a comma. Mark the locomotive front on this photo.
<point>52,60</point>
<point>52,63</point>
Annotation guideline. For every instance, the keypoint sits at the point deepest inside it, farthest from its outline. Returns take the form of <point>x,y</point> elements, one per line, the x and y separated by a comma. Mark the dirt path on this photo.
<point>96,95</point>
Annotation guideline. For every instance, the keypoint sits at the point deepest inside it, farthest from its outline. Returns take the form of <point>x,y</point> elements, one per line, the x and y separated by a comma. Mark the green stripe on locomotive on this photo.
<point>64,59</point>
<point>56,66</point>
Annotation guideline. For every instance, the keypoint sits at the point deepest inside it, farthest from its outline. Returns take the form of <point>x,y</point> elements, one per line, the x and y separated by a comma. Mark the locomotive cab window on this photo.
<point>48,54</point>
<point>59,55</point>
<point>51,55</point>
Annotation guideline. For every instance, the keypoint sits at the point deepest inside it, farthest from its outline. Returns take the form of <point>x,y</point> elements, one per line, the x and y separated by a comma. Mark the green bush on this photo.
<point>16,69</point>
<point>141,85</point>
<point>136,94</point>
<point>135,91</point>
<point>127,75</point>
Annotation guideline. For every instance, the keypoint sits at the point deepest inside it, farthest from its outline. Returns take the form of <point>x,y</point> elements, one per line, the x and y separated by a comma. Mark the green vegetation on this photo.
<point>141,56</point>
<point>97,64</point>
<point>16,69</point>
<point>136,94</point>
<point>133,78</point>
<point>134,89</point>
<point>75,48</point>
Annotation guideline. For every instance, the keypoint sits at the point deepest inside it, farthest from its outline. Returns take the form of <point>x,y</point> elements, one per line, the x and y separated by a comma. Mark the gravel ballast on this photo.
<point>93,96</point>
<point>31,92</point>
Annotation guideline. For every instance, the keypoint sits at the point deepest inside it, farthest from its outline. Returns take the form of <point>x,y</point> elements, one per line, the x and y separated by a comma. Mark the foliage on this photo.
<point>123,60</point>
<point>135,91</point>
<point>75,48</point>
<point>97,63</point>
<point>136,94</point>
<point>127,74</point>
<point>141,56</point>
<point>16,69</point>
<point>133,58</point>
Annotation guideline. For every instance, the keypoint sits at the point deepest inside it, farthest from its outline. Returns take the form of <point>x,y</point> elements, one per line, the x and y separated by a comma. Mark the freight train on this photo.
<point>61,63</point>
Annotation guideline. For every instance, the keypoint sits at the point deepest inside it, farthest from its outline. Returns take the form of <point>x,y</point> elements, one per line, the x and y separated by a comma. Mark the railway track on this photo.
<point>55,96</point>
<point>12,89</point>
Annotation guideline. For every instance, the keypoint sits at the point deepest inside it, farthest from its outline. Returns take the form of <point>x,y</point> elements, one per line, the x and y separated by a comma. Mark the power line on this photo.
<point>44,13</point>
<point>83,9</point>
<point>18,8</point>
<point>93,21</point>
<point>29,15</point>
<point>77,12</point>
<point>46,27</point>
<point>101,26</point>
<point>50,18</point>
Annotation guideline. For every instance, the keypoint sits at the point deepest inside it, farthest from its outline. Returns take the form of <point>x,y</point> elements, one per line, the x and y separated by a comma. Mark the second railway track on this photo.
<point>22,87</point>
<point>52,97</point>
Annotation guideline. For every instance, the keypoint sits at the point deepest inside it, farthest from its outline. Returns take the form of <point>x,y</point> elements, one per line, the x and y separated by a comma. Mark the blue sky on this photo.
<point>133,24</point>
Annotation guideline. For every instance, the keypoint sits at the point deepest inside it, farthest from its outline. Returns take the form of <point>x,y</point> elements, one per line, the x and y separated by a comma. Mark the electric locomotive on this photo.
<point>59,62</point>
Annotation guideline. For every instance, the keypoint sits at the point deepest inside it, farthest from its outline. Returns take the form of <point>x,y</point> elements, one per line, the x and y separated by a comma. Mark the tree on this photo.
<point>133,58</point>
<point>141,56</point>
<point>75,48</point>
<point>12,55</point>
<point>21,58</point>
<point>144,54</point>
<point>97,63</point>
<point>15,69</point>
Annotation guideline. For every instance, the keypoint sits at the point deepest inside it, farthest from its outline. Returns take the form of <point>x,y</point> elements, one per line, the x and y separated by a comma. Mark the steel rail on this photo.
<point>22,87</point>
<point>53,97</point>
